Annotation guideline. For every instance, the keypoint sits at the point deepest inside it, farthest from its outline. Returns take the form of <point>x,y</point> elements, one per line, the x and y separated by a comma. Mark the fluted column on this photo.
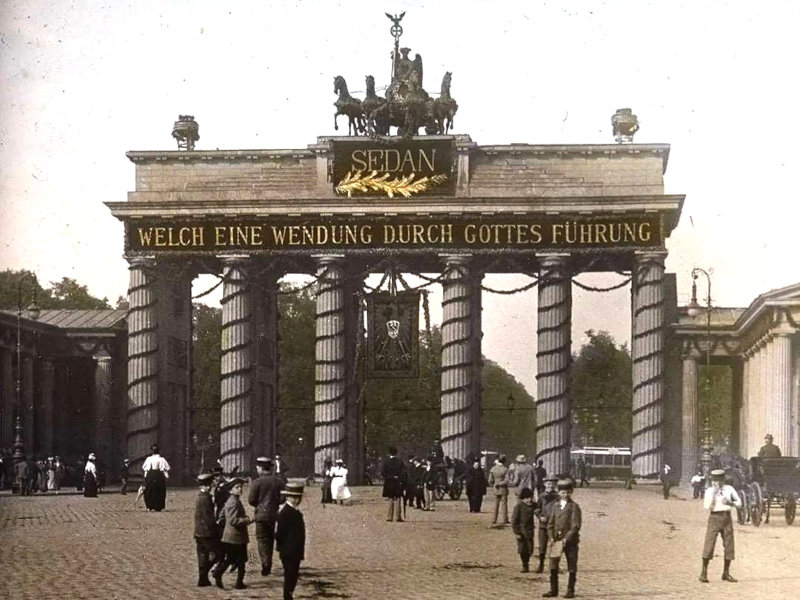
<point>48,382</point>
<point>648,364</point>
<point>7,398</point>
<point>781,397</point>
<point>142,361</point>
<point>690,442</point>
<point>457,360</point>
<point>329,357</point>
<point>553,357</point>
<point>744,413</point>
<point>102,406</point>
<point>236,366</point>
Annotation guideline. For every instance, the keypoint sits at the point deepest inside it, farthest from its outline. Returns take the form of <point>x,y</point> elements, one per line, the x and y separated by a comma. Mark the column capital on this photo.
<point>328,258</point>
<point>140,261</point>
<point>233,259</point>
<point>456,258</point>
<point>656,254</point>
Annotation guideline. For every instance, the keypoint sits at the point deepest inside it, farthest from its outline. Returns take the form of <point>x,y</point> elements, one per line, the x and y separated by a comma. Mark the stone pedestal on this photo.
<point>457,360</point>
<point>236,366</point>
<point>329,391</point>
<point>553,359</point>
<point>648,364</point>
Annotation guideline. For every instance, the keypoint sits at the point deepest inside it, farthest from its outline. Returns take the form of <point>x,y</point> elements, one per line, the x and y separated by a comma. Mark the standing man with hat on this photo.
<point>264,495</point>
<point>523,475</point>
<point>205,530</point>
<point>394,476</point>
<point>497,479</point>
<point>769,449</point>
<point>563,529</point>
<point>719,500</point>
<point>541,511</point>
<point>291,538</point>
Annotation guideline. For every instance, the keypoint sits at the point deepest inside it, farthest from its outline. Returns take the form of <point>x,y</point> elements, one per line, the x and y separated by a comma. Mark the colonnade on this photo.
<point>249,380</point>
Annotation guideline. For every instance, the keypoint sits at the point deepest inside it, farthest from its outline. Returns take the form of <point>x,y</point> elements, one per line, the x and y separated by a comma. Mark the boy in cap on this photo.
<point>205,530</point>
<point>522,526</point>
<point>234,536</point>
<point>264,495</point>
<point>563,529</point>
<point>291,538</point>
<point>719,500</point>
<point>542,512</point>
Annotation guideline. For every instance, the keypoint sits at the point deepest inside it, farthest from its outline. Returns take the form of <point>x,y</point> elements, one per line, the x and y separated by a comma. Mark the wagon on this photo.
<point>775,484</point>
<point>449,484</point>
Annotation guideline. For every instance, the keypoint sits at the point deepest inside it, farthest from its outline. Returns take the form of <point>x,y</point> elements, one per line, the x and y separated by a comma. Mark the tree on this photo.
<point>206,355</point>
<point>601,383</point>
<point>509,419</point>
<point>66,293</point>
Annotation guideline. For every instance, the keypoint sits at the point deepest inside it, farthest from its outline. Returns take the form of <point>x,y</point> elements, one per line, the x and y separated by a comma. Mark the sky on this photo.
<point>84,82</point>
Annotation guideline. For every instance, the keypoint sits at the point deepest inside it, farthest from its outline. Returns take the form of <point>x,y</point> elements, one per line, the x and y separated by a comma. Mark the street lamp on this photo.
<point>33,313</point>
<point>202,446</point>
<point>694,309</point>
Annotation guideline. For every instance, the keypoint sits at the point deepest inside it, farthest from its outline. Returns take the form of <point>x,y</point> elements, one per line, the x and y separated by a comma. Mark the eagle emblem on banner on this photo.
<point>393,335</point>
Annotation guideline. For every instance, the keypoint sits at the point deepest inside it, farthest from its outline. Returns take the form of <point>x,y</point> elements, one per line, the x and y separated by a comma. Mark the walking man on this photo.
<point>264,495</point>
<point>291,538</point>
<point>719,500</point>
<point>394,475</point>
<point>497,479</point>
<point>205,530</point>
<point>124,474</point>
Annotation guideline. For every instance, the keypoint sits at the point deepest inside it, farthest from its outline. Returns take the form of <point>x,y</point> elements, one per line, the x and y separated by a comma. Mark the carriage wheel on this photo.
<point>791,508</point>
<point>438,492</point>
<point>455,490</point>
<point>757,507</point>
<point>742,513</point>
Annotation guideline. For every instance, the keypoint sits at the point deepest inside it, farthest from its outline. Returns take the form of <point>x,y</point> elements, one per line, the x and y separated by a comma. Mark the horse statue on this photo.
<point>444,107</point>
<point>371,107</point>
<point>347,105</point>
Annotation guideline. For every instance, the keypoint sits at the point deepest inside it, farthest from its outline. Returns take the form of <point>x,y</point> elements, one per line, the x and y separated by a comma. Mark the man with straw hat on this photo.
<point>719,500</point>
<point>291,538</point>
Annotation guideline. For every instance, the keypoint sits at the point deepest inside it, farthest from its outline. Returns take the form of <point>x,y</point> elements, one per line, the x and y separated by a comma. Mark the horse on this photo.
<point>347,105</point>
<point>372,103</point>
<point>444,107</point>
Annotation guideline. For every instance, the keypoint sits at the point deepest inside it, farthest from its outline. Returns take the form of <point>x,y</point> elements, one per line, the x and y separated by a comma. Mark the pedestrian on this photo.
<point>279,467</point>
<point>51,474</point>
<point>327,465</point>
<point>291,538</point>
<point>475,485</point>
<point>542,511</point>
<point>124,475</point>
<point>540,473</point>
<point>583,471</point>
<point>41,481</point>
<point>417,475</point>
<point>769,449</point>
<point>33,476</point>
<point>409,487</point>
<point>58,468</point>
<point>521,476</point>
<point>522,526</point>
<point>665,480</point>
<point>78,475</point>
<point>21,476</point>
<point>497,479</point>
<point>563,529</point>
<point>234,536</point>
<point>394,477</point>
<point>156,473</point>
<point>697,484</point>
<point>90,477</point>
<point>429,482</point>
<point>264,495</point>
<point>205,530</point>
<point>339,490</point>
<point>720,499</point>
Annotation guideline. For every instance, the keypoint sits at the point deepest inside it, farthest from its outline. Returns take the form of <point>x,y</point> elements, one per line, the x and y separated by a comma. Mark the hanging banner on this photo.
<point>393,335</point>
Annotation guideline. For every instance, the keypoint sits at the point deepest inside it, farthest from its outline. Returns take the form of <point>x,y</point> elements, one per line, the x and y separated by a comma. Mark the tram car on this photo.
<point>605,462</point>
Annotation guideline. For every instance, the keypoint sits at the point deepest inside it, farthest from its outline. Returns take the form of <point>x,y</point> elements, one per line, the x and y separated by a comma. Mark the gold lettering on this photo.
<point>433,233</point>
<point>423,156</point>
<point>586,233</point>
<point>644,232</point>
<point>366,234</point>
<point>396,155</point>
<point>600,233</point>
<point>469,233</point>
<point>557,229</point>
<point>447,233</point>
<point>419,237</point>
<point>574,236</point>
<point>294,235</point>
<point>408,158</point>
<point>160,236</point>
<point>359,160</point>
<point>350,234</point>
<point>308,235</point>
<point>219,236</point>
<point>536,232</point>
<point>278,234</point>
<point>255,235</point>
<point>630,233</point>
<point>611,235</point>
<point>389,234</point>
<point>404,229</point>
<point>375,162</point>
<point>187,240</point>
<point>322,235</point>
<point>145,236</point>
<point>522,234</point>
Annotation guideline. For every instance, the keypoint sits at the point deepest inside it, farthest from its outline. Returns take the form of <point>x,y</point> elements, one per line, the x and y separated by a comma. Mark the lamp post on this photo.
<point>33,313</point>
<point>202,446</point>
<point>694,309</point>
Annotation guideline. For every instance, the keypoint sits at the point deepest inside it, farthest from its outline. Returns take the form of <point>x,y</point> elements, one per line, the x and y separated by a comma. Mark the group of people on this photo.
<point>334,482</point>
<point>221,523</point>
<point>31,476</point>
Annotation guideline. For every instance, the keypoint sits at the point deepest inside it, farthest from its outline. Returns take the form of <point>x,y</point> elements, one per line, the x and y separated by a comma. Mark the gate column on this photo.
<point>329,357</point>
<point>458,427</point>
<point>647,352</point>
<point>236,426</point>
<point>553,332</point>
<point>689,441</point>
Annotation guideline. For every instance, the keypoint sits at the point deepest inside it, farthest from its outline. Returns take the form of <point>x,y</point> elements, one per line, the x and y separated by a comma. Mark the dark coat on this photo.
<point>236,522</point>
<point>265,495</point>
<point>394,476</point>
<point>290,534</point>
<point>542,507</point>
<point>522,520</point>
<point>564,523</point>
<point>205,525</point>
<point>475,482</point>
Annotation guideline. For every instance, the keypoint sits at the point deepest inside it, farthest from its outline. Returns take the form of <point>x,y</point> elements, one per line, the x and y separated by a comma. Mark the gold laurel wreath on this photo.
<point>356,181</point>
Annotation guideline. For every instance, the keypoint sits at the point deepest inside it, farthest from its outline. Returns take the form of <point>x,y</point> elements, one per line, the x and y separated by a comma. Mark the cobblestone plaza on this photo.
<point>634,544</point>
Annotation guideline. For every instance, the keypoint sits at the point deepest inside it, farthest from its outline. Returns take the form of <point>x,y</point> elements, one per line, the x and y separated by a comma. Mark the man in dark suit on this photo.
<point>264,495</point>
<point>206,535</point>
<point>394,475</point>
<point>563,529</point>
<point>291,538</point>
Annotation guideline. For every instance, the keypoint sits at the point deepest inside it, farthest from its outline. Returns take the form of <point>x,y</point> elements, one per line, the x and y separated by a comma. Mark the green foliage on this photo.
<point>509,416</point>
<point>66,293</point>
<point>207,338</point>
<point>719,388</point>
<point>601,381</point>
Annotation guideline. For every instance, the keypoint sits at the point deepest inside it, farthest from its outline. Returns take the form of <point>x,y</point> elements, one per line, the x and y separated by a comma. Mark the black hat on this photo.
<point>525,493</point>
<point>205,478</point>
<point>564,484</point>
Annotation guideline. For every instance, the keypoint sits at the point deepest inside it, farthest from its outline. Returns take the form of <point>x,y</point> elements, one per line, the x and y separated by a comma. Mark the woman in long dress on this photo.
<point>327,496</point>
<point>156,473</point>
<point>339,489</point>
<point>90,477</point>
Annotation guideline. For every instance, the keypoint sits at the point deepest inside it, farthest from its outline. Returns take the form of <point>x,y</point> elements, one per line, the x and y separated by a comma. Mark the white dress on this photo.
<point>339,489</point>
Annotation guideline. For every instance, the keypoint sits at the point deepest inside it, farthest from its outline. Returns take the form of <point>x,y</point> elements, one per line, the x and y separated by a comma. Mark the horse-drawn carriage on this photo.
<point>774,483</point>
<point>449,480</point>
